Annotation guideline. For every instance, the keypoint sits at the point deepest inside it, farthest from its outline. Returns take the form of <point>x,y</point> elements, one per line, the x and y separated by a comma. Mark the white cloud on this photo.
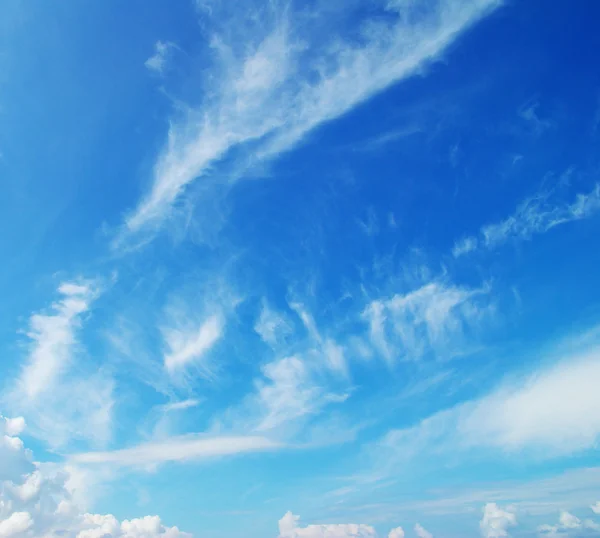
<point>16,524</point>
<point>496,522</point>
<point>61,395</point>
<point>289,527</point>
<point>181,405</point>
<point>37,500</point>
<point>529,113</point>
<point>327,350</point>
<point>273,327</point>
<point>184,448</point>
<point>567,524</point>
<point>422,532</point>
<point>289,393</point>
<point>398,532</point>
<point>538,215</point>
<point>158,61</point>
<point>13,426</point>
<point>281,84</point>
<point>430,319</point>
<point>191,347</point>
<point>544,496</point>
<point>549,413</point>
<point>464,246</point>
<point>596,508</point>
<point>553,409</point>
<point>533,216</point>
<point>53,338</point>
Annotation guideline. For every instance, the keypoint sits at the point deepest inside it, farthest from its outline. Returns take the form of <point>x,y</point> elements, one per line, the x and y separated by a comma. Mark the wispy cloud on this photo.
<point>183,448</point>
<point>268,94</point>
<point>53,339</point>
<point>535,497</point>
<point>529,113</point>
<point>273,327</point>
<point>180,406</point>
<point>61,395</point>
<point>430,319</point>
<point>543,415</point>
<point>192,330</point>
<point>533,216</point>
<point>464,246</point>
<point>158,61</point>
<point>185,348</point>
<point>289,393</point>
<point>421,532</point>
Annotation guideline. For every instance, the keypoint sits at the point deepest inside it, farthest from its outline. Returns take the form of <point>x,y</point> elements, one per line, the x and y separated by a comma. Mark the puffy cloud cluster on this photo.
<point>396,533</point>
<point>289,527</point>
<point>570,525</point>
<point>36,501</point>
<point>495,521</point>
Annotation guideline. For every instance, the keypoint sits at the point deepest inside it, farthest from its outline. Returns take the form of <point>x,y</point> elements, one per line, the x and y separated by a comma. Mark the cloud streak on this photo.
<point>185,448</point>
<point>263,98</point>
<point>535,215</point>
<point>546,414</point>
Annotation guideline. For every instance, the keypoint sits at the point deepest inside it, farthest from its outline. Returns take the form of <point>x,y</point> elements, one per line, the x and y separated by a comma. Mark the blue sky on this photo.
<point>320,269</point>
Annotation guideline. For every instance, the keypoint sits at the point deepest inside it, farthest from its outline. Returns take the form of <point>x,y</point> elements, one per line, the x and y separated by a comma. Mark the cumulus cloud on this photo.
<point>37,500</point>
<point>496,522</point>
<point>422,532</point>
<point>272,83</point>
<point>289,527</point>
<point>16,524</point>
<point>398,532</point>
<point>596,508</point>
<point>568,525</point>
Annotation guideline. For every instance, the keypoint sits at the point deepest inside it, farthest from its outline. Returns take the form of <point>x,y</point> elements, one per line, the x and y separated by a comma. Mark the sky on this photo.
<point>299,269</point>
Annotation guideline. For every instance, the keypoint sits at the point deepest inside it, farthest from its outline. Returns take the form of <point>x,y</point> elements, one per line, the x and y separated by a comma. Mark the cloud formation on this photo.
<point>430,319</point>
<point>496,522</point>
<point>546,414</point>
<point>35,500</point>
<point>185,348</point>
<point>421,532</point>
<point>535,215</point>
<point>60,394</point>
<point>157,63</point>
<point>289,527</point>
<point>184,448</point>
<point>272,83</point>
